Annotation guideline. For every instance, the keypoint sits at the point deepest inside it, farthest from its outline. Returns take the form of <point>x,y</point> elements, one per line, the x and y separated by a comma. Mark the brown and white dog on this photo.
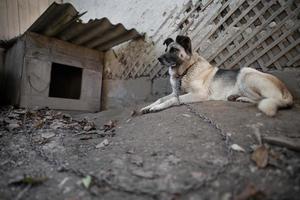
<point>200,81</point>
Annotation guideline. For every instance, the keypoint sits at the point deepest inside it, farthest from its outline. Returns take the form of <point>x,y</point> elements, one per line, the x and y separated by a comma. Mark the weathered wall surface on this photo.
<point>16,16</point>
<point>262,34</point>
<point>229,33</point>
<point>121,93</point>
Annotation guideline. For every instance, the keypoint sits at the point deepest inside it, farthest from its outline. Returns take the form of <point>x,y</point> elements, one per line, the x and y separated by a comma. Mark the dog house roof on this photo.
<point>62,21</point>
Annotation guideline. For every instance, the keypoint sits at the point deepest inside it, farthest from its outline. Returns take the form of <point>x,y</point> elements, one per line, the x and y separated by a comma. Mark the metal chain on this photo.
<point>222,133</point>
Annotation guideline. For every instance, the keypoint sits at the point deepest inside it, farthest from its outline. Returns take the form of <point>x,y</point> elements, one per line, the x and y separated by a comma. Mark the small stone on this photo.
<point>186,115</point>
<point>173,159</point>
<point>258,114</point>
<point>154,153</point>
<point>20,111</point>
<point>199,176</point>
<point>13,115</point>
<point>13,126</point>
<point>237,147</point>
<point>131,151</point>
<point>48,135</point>
<point>87,128</point>
<point>56,125</point>
<point>226,196</point>
<point>118,163</point>
<point>49,117</point>
<point>67,116</point>
<point>102,144</point>
<point>137,160</point>
<point>143,174</point>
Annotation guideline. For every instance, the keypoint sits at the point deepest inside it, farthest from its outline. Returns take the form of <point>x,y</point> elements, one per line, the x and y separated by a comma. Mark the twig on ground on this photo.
<point>283,142</point>
<point>21,194</point>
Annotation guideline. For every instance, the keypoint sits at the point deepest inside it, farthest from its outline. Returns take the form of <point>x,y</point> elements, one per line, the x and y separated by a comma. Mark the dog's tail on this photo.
<point>270,105</point>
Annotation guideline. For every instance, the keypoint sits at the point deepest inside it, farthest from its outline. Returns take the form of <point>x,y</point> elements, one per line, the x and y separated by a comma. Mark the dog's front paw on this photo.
<point>155,108</point>
<point>145,110</point>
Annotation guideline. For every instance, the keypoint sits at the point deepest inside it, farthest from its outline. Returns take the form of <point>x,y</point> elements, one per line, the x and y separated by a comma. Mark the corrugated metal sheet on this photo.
<point>62,21</point>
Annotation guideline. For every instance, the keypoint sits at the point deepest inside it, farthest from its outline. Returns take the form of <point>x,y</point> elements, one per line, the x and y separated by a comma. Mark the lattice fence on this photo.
<point>268,35</point>
<point>263,34</point>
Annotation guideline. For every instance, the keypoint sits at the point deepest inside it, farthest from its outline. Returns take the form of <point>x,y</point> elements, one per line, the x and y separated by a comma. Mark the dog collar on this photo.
<point>185,71</point>
<point>180,76</point>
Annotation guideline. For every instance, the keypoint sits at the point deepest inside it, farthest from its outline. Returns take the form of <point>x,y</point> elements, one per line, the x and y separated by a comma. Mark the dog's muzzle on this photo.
<point>160,59</point>
<point>164,60</point>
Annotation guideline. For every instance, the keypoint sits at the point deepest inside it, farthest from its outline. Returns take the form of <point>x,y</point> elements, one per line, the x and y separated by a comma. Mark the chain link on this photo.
<point>216,126</point>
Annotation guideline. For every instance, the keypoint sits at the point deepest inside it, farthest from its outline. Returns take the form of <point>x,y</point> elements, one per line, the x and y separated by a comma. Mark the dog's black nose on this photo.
<point>160,59</point>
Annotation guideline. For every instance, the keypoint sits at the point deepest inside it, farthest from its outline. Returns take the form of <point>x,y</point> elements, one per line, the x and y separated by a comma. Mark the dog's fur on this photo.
<point>200,81</point>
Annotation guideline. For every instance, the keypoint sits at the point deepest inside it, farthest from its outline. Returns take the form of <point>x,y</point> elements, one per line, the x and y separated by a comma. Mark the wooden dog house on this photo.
<point>58,62</point>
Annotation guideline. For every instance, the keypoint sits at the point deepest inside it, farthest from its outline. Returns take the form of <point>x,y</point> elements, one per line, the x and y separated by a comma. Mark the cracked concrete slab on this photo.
<point>180,153</point>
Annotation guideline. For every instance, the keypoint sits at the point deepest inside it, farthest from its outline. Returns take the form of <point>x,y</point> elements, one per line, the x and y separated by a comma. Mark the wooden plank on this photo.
<point>281,46</point>
<point>13,18</point>
<point>3,21</point>
<point>54,50</point>
<point>43,5</point>
<point>294,60</point>
<point>13,72</point>
<point>34,11</point>
<point>24,14</point>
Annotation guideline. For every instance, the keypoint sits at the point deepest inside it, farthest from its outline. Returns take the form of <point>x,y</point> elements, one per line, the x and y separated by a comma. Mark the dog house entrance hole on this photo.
<point>65,81</point>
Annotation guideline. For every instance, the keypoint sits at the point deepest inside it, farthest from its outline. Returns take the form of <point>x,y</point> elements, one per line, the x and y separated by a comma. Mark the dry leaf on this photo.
<point>28,180</point>
<point>109,125</point>
<point>260,156</point>
<point>39,124</point>
<point>87,181</point>
<point>250,192</point>
<point>102,144</point>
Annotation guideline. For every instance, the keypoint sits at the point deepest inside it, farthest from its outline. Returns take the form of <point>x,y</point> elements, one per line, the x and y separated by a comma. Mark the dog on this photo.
<point>200,81</point>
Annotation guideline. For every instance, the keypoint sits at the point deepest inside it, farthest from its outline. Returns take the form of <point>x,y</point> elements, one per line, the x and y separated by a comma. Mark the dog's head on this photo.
<point>177,52</point>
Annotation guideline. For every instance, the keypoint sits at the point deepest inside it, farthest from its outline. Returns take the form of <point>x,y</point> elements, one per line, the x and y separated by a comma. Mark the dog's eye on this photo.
<point>173,50</point>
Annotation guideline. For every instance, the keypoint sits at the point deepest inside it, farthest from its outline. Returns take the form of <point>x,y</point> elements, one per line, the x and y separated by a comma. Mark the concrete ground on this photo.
<point>200,151</point>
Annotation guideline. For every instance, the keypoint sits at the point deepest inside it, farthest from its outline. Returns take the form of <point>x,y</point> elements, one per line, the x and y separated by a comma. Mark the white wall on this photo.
<point>16,16</point>
<point>144,15</point>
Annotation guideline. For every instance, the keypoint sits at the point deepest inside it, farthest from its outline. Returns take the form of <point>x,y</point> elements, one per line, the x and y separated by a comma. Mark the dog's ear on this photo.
<point>167,42</point>
<point>185,42</point>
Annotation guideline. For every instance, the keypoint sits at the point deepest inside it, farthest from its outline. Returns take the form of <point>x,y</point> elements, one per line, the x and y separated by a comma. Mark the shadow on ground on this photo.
<point>181,153</point>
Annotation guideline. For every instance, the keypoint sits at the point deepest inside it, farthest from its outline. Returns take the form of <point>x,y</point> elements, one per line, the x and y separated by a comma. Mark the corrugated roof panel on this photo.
<point>63,22</point>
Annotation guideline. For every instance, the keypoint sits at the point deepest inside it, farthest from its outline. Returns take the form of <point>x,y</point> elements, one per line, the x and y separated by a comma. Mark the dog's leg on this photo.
<point>186,98</point>
<point>246,100</point>
<point>159,101</point>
